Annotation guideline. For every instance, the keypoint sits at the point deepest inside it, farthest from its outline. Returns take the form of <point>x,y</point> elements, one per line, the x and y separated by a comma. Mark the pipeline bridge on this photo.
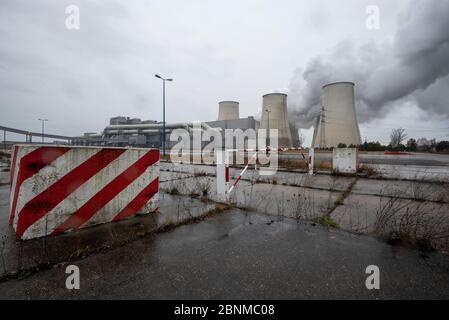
<point>30,134</point>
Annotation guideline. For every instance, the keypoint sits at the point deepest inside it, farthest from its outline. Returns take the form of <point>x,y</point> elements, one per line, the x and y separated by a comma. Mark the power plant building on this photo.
<point>337,123</point>
<point>125,131</point>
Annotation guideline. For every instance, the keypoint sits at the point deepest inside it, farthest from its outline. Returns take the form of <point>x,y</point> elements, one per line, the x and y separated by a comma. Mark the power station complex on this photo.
<point>335,125</point>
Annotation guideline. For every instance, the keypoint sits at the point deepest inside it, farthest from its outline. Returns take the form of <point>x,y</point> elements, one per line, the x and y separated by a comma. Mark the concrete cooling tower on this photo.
<point>274,107</point>
<point>228,110</point>
<point>337,122</point>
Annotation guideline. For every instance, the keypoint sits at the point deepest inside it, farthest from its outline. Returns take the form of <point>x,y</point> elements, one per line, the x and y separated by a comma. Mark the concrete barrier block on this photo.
<point>345,160</point>
<point>59,188</point>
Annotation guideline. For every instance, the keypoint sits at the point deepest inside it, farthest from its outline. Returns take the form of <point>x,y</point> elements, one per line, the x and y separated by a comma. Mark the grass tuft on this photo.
<point>326,221</point>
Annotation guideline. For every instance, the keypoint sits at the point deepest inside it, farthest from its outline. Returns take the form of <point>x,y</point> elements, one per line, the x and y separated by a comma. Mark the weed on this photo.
<point>326,221</point>
<point>410,223</point>
<point>2,249</point>
<point>368,170</point>
<point>173,190</point>
<point>200,174</point>
<point>79,253</point>
<point>203,187</point>
<point>324,165</point>
<point>441,197</point>
<point>340,200</point>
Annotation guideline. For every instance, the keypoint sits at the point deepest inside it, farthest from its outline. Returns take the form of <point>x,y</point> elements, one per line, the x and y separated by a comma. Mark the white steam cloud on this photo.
<point>413,65</point>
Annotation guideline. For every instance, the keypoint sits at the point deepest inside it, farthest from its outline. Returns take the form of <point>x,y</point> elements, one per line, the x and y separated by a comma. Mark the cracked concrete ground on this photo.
<point>353,203</point>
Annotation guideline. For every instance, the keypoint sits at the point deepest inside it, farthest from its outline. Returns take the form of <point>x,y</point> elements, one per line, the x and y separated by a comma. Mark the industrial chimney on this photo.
<point>274,108</point>
<point>337,122</point>
<point>228,110</point>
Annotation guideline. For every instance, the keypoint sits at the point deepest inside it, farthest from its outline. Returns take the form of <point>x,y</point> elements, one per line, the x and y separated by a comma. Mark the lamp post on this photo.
<point>163,110</point>
<point>43,121</point>
<point>268,111</point>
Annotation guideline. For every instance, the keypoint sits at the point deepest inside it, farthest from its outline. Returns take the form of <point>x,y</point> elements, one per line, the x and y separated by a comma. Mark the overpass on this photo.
<point>29,135</point>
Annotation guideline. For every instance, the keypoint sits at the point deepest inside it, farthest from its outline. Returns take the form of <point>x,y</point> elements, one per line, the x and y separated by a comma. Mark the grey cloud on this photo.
<point>213,50</point>
<point>435,97</point>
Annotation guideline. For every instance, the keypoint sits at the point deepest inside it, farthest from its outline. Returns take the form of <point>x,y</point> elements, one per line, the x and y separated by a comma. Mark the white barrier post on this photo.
<point>311,160</point>
<point>345,160</point>
<point>222,162</point>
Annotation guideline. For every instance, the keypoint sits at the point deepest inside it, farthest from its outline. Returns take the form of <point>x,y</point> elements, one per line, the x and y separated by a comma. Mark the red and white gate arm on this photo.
<point>59,188</point>
<point>242,173</point>
<point>223,165</point>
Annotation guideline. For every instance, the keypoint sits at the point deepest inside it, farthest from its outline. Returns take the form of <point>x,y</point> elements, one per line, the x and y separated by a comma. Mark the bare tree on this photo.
<point>397,136</point>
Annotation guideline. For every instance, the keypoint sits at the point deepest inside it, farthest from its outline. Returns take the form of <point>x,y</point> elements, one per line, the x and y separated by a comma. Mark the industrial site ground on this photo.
<point>288,236</point>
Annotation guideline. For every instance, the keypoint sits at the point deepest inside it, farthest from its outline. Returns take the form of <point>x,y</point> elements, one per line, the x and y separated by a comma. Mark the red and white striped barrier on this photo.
<point>59,188</point>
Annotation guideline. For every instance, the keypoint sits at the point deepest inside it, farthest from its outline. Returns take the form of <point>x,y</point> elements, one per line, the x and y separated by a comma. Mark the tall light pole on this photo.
<point>43,121</point>
<point>268,111</point>
<point>163,110</point>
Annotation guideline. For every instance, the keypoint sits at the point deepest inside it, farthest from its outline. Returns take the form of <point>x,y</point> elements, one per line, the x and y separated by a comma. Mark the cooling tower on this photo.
<point>228,110</point>
<point>337,122</point>
<point>276,104</point>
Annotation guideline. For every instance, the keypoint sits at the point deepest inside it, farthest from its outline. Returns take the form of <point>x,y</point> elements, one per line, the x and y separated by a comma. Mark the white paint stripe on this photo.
<point>13,163</point>
<point>112,208</point>
<point>21,152</point>
<point>48,175</point>
<point>84,193</point>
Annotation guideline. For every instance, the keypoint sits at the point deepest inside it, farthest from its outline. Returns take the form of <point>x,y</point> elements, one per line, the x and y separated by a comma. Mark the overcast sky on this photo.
<point>221,50</point>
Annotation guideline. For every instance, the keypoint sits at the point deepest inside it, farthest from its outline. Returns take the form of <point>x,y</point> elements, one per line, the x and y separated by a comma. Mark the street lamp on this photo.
<point>268,111</point>
<point>43,121</point>
<point>163,110</point>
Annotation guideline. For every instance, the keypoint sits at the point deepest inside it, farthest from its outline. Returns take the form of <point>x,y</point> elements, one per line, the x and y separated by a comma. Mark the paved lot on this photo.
<point>240,255</point>
<point>16,255</point>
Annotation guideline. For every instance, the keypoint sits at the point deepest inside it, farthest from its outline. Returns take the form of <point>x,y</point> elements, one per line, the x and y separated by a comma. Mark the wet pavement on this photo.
<point>237,254</point>
<point>22,255</point>
<point>243,255</point>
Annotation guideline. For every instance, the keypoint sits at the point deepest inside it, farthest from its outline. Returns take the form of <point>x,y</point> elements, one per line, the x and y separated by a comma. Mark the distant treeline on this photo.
<point>412,145</point>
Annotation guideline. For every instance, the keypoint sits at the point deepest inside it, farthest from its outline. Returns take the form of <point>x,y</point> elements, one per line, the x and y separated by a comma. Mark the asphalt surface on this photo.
<point>241,255</point>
